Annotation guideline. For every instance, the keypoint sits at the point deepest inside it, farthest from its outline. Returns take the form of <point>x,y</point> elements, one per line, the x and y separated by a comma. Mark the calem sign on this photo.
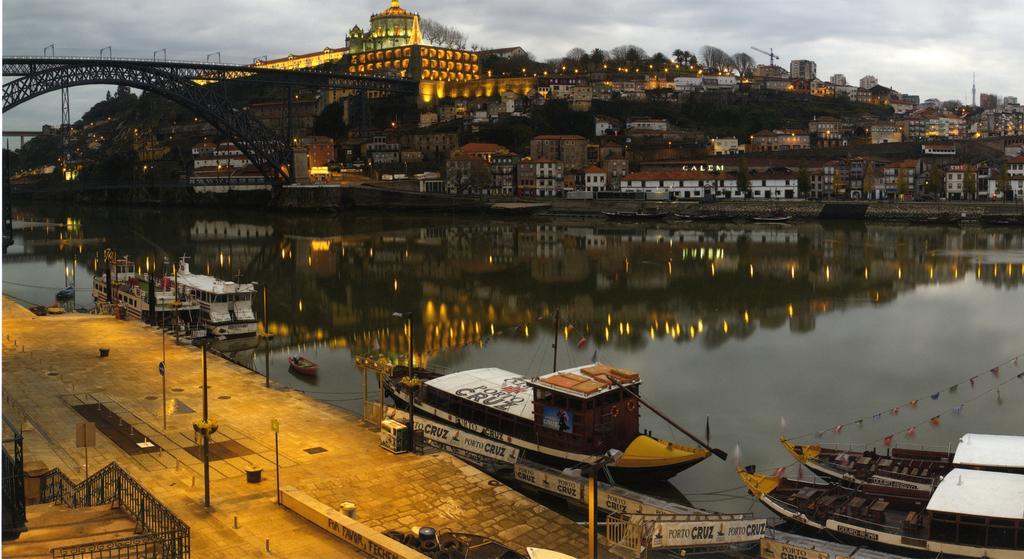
<point>704,167</point>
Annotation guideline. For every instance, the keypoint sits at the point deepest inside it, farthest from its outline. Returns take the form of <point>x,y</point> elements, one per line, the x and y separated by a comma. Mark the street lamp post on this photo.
<point>205,427</point>
<point>591,472</point>
<point>206,434</point>
<point>410,381</point>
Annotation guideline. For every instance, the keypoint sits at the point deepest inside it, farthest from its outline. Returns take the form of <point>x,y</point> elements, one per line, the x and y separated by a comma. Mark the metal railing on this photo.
<point>13,481</point>
<point>127,548</point>
<point>625,534</point>
<point>162,532</point>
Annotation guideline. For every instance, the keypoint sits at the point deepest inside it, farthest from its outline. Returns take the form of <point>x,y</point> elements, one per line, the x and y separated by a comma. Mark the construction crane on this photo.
<point>770,52</point>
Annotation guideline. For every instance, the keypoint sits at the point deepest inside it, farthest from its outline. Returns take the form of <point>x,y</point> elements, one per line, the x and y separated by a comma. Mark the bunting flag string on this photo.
<point>913,404</point>
<point>936,420</point>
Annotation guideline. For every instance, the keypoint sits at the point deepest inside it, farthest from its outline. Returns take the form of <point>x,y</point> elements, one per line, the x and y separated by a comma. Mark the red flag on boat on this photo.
<point>887,441</point>
<point>582,343</point>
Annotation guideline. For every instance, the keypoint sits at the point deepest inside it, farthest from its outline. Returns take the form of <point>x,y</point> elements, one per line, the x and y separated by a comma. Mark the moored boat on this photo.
<point>971,513</point>
<point>225,307</point>
<point>911,468</point>
<point>66,293</point>
<point>642,213</point>
<point>772,218</point>
<point>302,366</point>
<point>566,418</point>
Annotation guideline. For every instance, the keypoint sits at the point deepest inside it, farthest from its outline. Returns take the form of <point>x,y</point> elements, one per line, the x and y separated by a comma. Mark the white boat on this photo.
<point>225,306</point>
<point>127,293</point>
<point>971,513</point>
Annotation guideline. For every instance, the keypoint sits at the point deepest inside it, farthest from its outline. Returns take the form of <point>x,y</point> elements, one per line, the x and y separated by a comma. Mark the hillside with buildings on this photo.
<point>497,122</point>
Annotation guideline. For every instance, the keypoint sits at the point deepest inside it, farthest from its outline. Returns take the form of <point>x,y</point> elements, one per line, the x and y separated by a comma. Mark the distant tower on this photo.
<point>974,90</point>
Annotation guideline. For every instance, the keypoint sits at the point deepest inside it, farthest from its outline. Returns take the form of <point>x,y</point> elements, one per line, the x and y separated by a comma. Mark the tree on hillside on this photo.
<point>869,179</point>
<point>716,59</point>
<point>574,55</point>
<point>743,177</point>
<point>598,58</point>
<point>629,54</point>
<point>803,180</point>
<point>744,63</point>
<point>936,180</point>
<point>1003,182</point>
<point>439,34</point>
<point>659,59</point>
<point>838,186</point>
<point>902,185</point>
<point>331,122</point>
<point>971,182</point>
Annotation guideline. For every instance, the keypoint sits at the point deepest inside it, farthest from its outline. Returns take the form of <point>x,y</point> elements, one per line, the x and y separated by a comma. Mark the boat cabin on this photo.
<point>582,408</point>
<point>978,509</point>
<point>577,410</point>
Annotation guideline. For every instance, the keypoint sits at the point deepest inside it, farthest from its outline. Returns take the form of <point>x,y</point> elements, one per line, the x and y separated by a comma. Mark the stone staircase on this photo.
<point>54,525</point>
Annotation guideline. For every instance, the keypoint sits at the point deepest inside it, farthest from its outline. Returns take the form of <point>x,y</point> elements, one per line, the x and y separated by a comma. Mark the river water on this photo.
<point>738,325</point>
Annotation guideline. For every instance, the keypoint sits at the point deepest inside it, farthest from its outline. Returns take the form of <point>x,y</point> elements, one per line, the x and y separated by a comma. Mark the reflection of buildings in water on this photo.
<point>205,230</point>
<point>226,250</point>
<point>696,283</point>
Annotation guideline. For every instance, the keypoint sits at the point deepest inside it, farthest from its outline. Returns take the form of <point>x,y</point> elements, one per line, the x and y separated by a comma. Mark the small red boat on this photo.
<point>302,366</point>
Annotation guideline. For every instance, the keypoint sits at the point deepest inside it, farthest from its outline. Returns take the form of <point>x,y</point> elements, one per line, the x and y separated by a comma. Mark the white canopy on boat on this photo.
<point>992,451</point>
<point>492,387</point>
<point>980,493</point>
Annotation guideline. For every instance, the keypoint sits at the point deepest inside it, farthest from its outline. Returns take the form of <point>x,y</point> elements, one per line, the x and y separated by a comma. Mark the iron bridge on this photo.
<point>187,83</point>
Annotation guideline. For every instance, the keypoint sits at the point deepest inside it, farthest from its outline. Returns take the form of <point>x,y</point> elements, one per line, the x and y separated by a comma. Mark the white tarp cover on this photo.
<point>997,451</point>
<point>495,388</point>
<point>980,493</point>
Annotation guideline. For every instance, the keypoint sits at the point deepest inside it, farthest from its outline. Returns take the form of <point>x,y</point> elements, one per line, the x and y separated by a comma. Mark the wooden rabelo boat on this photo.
<point>566,418</point>
<point>971,513</point>
<point>302,366</point>
<point>908,468</point>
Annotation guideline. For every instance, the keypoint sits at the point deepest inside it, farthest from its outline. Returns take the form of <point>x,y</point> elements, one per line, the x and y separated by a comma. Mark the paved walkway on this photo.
<point>52,363</point>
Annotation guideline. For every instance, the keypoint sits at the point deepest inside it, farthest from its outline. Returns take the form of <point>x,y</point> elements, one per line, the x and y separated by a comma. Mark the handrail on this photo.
<point>205,65</point>
<point>113,484</point>
<point>13,470</point>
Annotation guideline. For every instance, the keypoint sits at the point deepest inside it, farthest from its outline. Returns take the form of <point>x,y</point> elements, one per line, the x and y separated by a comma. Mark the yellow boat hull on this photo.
<point>650,460</point>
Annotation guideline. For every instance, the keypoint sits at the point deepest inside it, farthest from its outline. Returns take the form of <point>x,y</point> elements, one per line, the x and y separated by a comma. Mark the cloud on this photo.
<point>926,47</point>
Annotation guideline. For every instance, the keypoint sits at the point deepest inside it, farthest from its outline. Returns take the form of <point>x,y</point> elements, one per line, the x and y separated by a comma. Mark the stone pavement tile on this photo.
<point>434,488</point>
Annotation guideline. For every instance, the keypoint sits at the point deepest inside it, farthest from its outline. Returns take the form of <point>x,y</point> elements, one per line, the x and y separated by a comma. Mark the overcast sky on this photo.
<point>925,47</point>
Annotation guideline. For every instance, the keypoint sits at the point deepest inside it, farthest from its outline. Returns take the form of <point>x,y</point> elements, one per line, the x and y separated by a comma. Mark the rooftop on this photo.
<point>586,381</point>
<point>492,387</point>
<point>1001,451</point>
<point>558,137</point>
<point>971,492</point>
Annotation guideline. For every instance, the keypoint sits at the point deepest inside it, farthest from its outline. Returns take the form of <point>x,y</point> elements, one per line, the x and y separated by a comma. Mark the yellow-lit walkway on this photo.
<point>52,363</point>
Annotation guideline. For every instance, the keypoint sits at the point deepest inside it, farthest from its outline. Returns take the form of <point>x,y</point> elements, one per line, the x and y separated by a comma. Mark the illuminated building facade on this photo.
<point>394,27</point>
<point>303,61</point>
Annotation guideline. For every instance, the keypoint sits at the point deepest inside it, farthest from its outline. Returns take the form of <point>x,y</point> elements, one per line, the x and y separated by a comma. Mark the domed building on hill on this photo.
<point>394,27</point>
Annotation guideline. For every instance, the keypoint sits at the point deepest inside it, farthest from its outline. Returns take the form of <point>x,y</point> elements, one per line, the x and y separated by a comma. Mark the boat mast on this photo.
<point>554,363</point>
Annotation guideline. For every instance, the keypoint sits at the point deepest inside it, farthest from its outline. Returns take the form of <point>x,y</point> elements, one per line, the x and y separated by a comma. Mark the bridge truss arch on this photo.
<point>269,153</point>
